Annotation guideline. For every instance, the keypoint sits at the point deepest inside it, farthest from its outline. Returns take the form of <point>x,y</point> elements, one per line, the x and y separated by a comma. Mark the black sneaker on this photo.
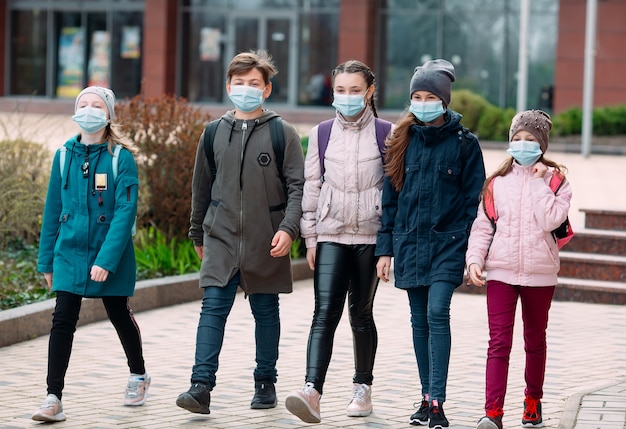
<point>420,417</point>
<point>532,413</point>
<point>264,395</point>
<point>196,400</point>
<point>490,421</point>
<point>437,419</point>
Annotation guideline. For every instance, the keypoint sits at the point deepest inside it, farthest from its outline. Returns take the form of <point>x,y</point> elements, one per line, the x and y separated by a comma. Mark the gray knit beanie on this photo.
<point>434,76</point>
<point>105,93</point>
<point>536,122</point>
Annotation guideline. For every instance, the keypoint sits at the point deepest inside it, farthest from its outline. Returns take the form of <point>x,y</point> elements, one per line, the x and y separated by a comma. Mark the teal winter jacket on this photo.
<point>88,219</point>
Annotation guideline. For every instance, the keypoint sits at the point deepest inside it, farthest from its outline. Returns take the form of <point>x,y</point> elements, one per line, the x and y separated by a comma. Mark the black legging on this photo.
<point>64,321</point>
<point>339,270</point>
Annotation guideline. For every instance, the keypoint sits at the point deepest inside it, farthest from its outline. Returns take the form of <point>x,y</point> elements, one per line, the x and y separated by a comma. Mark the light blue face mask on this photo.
<point>246,98</point>
<point>349,105</point>
<point>427,111</point>
<point>525,152</point>
<point>90,120</point>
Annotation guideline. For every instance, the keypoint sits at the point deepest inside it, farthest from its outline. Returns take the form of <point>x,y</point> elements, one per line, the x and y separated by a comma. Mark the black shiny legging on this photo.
<point>339,270</point>
<point>64,321</point>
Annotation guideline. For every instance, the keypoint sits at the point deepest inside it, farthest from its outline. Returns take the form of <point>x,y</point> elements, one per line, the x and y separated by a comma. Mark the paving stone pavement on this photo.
<point>585,386</point>
<point>586,352</point>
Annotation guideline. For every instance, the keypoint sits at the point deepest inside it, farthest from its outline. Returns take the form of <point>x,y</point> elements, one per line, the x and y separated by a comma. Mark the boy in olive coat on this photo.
<point>243,221</point>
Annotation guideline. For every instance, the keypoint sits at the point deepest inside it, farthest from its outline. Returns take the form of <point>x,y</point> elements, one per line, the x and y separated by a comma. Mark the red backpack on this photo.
<point>562,235</point>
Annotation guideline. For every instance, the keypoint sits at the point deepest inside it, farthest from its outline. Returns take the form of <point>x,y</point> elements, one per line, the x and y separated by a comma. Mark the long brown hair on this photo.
<point>396,146</point>
<point>355,66</point>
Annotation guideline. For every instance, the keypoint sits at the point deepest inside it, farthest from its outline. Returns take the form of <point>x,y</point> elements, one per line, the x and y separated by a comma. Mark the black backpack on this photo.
<point>278,144</point>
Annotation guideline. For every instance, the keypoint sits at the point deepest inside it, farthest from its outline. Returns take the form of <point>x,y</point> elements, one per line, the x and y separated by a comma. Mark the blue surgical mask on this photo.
<point>525,152</point>
<point>349,105</point>
<point>246,98</point>
<point>427,111</point>
<point>90,120</point>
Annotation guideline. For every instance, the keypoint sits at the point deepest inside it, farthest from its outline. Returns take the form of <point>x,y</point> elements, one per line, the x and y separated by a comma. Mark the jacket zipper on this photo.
<point>244,128</point>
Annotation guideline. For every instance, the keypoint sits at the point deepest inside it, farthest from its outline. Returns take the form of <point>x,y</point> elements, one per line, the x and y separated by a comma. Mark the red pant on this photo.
<point>501,304</point>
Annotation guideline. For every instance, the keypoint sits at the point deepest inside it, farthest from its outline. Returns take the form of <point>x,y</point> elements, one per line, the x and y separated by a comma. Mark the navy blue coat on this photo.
<point>426,225</point>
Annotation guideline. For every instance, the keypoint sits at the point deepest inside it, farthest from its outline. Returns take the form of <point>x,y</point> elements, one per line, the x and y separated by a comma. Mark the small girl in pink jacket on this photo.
<point>521,257</point>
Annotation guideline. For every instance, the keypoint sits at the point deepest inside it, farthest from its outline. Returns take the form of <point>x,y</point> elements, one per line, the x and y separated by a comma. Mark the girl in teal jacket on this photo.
<point>86,247</point>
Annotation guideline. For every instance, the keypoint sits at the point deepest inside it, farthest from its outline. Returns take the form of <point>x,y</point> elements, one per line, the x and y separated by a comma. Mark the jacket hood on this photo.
<point>265,116</point>
<point>237,124</point>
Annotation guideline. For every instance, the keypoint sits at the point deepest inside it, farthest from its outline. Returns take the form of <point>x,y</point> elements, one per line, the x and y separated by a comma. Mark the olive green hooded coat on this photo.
<point>235,216</point>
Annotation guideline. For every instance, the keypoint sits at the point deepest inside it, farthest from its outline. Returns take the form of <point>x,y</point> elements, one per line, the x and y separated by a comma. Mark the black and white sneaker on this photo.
<point>264,395</point>
<point>437,419</point>
<point>420,417</point>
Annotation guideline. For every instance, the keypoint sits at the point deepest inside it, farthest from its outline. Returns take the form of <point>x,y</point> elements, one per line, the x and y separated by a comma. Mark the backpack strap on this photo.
<point>277,135</point>
<point>556,181</point>
<point>62,156</point>
<point>116,159</point>
<point>382,131</point>
<point>489,205</point>
<point>323,137</point>
<point>209,136</point>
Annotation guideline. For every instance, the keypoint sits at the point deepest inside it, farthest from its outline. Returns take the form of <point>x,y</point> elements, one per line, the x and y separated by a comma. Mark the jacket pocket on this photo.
<point>210,217</point>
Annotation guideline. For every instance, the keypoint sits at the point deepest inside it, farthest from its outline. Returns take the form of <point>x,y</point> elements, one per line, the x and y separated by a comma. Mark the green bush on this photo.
<point>470,105</point>
<point>159,257</point>
<point>494,123</point>
<point>166,129</point>
<point>20,283</point>
<point>24,172</point>
<point>609,121</point>
<point>568,122</point>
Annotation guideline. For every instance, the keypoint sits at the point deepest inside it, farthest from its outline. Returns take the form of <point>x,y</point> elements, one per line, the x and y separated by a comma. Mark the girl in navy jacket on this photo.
<point>434,174</point>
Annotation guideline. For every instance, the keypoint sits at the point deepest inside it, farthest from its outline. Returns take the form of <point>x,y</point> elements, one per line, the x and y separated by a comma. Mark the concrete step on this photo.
<point>577,290</point>
<point>598,241</point>
<point>605,219</point>
<point>593,266</point>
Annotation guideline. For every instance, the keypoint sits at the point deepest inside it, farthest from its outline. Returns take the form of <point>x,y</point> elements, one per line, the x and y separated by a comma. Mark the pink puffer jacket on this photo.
<point>522,251</point>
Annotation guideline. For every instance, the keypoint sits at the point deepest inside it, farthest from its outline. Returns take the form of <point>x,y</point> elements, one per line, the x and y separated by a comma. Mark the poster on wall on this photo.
<point>71,61</point>
<point>210,44</point>
<point>98,66</point>
<point>131,43</point>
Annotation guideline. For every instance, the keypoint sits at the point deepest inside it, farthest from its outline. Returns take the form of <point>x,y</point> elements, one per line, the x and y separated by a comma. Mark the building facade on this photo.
<point>51,49</point>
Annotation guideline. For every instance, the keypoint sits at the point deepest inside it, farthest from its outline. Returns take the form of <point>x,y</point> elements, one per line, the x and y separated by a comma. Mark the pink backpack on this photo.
<point>562,235</point>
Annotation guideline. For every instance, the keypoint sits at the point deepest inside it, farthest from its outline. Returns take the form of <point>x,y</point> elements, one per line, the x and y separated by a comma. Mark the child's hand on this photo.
<point>475,273</point>
<point>281,244</point>
<point>539,170</point>
<point>383,266</point>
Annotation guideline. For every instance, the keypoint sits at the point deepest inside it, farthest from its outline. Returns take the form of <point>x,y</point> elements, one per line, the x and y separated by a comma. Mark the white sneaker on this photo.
<point>305,404</point>
<point>50,411</point>
<point>361,403</point>
<point>137,389</point>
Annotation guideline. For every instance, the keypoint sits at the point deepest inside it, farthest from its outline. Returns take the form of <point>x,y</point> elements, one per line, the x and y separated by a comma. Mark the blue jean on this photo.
<point>216,305</point>
<point>430,320</point>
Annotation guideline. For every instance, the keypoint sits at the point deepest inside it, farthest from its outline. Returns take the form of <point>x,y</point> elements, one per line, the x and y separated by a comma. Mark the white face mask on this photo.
<point>525,152</point>
<point>349,105</point>
<point>246,98</point>
<point>427,111</point>
<point>90,120</point>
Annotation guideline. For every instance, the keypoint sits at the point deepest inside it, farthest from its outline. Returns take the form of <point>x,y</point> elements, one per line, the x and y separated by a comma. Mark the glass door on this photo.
<point>273,34</point>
